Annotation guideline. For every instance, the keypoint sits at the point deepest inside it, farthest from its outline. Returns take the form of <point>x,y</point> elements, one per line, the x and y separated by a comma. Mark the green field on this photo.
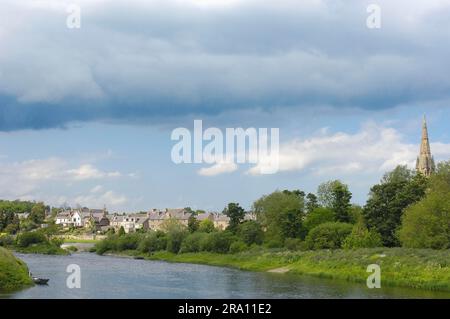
<point>414,268</point>
<point>13,272</point>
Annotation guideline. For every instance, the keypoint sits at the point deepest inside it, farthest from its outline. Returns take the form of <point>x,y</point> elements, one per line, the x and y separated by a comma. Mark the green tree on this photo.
<point>236,214</point>
<point>397,190</point>
<point>361,237</point>
<point>426,224</point>
<point>193,224</point>
<point>250,232</point>
<point>336,195</point>
<point>121,231</point>
<point>38,213</point>
<point>319,215</point>
<point>311,202</point>
<point>328,235</point>
<point>281,214</point>
<point>206,226</point>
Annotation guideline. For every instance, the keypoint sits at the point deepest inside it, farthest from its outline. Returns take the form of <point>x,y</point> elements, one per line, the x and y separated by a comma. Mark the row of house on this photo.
<point>155,219</point>
<point>84,217</point>
<point>152,220</point>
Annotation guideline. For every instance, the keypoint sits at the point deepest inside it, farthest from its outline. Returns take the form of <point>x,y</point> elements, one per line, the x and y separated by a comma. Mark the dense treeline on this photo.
<point>9,215</point>
<point>405,208</point>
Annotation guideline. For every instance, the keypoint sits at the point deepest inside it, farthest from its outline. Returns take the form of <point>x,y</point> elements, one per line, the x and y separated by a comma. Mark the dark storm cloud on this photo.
<point>150,61</point>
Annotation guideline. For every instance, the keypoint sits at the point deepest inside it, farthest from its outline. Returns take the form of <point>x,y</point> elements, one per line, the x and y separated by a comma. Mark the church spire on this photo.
<point>425,161</point>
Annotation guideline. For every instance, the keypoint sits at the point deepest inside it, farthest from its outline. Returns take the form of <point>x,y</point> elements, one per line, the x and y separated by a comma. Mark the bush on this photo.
<point>426,224</point>
<point>318,216</point>
<point>219,242</point>
<point>175,239</point>
<point>153,241</point>
<point>238,246</point>
<point>128,242</point>
<point>361,237</point>
<point>328,235</point>
<point>194,242</point>
<point>250,232</point>
<point>294,244</point>
<point>6,240</point>
<point>30,238</point>
<point>206,226</point>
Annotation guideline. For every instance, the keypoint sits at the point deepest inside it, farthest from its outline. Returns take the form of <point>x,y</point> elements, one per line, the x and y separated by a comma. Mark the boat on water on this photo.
<point>40,281</point>
<point>37,280</point>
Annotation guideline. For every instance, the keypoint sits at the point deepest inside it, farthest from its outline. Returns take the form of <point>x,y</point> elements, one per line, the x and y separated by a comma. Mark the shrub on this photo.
<point>318,216</point>
<point>206,226</point>
<point>294,244</point>
<point>250,232</point>
<point>175,239</point>
<point>328,235</point>
<point>6,240</point>
<point>30,238</point>
<point>219,242</point>
<point>153,241</point>
<point>238,246</point>
<point>128,242</point>
<point>361,237</point>
<point>194,242</point>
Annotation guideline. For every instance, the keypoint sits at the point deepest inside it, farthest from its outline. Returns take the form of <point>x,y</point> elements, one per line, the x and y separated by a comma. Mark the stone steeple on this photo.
<point>425,162</point>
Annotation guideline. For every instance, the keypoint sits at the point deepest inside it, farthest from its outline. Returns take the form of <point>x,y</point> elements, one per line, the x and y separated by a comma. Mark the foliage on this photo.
<point>206,226</point>
<point>318,216</point>
<point>29,238</point>
<point>281,213</point>
<point>194,242</point>
<point>14,272</point>
<point>361,237</point>
<point>238,246</point>
<point>193,224</point>
<point>336,196</point>
<point>153,241</point>
<point>294,244</point>
<point>426,224</point>
<point>219,242</point>
<point>37,214</point>
<point>236,214</point>
<point>311,202</point>
<point>397,190</point>
<point>328,235</point>
<point>250,232</point>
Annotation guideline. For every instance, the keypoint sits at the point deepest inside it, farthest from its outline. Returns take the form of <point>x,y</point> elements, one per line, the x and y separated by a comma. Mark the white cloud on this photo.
<point>108,198</point>
<point>218,168</point>
<point>87,171</point>
<point>373,149</point>
<point>24,179</point>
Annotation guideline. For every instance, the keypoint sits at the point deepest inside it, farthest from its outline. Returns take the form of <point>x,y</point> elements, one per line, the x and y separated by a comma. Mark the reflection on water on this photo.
<point>113,277</point>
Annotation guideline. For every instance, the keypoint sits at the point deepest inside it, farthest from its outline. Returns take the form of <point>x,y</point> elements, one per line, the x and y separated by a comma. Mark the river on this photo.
<point>116,277</point>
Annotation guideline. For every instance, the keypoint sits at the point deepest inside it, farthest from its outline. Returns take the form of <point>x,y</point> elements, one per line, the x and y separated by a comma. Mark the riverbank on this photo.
<point>13,272</point>
<point>400,267</point>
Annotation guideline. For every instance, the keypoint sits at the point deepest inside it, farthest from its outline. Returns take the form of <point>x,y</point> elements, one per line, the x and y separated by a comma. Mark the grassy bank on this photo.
<point>13,272</point>
<point>42,248</point>
<point>414,268</point>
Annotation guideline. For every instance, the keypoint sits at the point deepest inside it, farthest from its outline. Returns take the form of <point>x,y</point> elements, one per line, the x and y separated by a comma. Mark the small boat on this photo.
<point>138,257</point>
<point>40,281</point>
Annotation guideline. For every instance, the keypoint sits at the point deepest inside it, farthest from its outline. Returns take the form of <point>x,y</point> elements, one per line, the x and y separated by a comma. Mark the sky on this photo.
<point>86,114</point>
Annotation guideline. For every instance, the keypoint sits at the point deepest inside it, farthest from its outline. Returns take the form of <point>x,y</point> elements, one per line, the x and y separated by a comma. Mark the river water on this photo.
<point>116,277</point>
